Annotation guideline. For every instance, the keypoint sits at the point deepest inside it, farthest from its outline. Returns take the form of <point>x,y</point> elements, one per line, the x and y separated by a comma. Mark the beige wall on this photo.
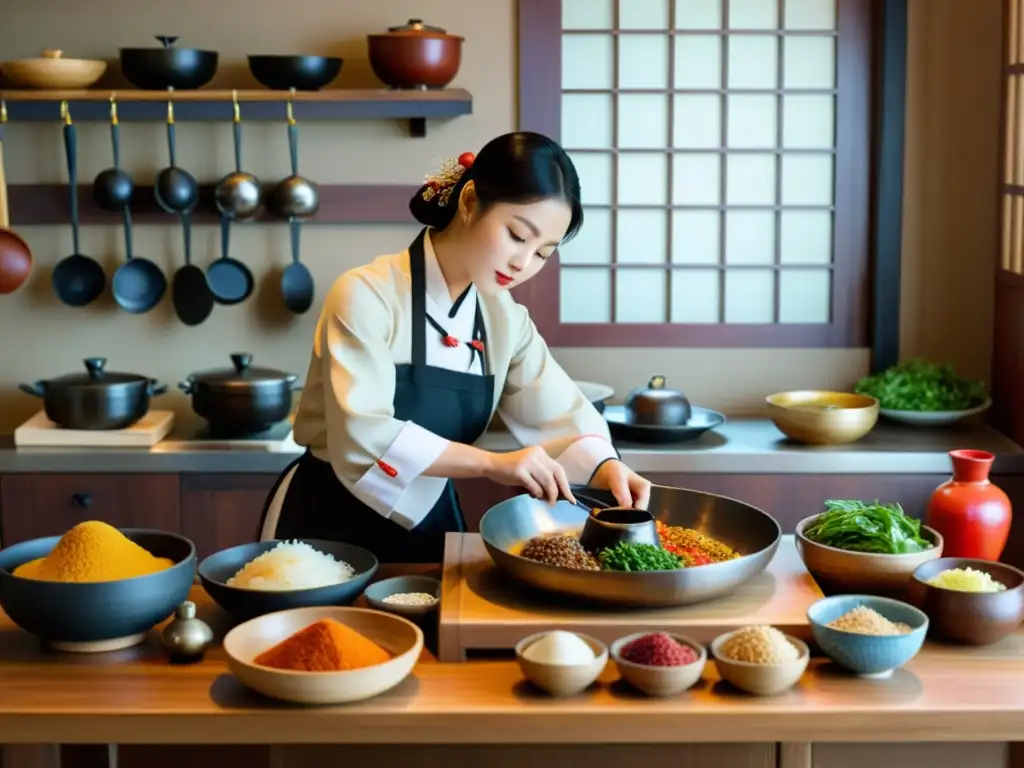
<point>949,233</point>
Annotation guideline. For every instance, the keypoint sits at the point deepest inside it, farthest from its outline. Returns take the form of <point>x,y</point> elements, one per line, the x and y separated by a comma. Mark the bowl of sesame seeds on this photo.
<point>408,596</point>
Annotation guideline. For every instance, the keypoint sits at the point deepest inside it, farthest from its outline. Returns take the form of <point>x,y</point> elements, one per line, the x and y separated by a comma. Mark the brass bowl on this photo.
<point>822,418</point>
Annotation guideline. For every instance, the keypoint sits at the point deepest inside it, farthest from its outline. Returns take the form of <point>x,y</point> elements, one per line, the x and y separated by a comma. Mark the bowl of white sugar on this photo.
<point>408,596</point>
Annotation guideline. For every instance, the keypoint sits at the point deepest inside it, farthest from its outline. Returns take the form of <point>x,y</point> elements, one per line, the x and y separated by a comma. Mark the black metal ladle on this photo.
<point>138,284</point>
<point>78,280</point>
<point>113,188</point>
<point>175,189</point>
<point>296,282</point>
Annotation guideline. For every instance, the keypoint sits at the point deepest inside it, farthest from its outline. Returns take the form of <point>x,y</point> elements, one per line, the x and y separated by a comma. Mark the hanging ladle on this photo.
<point>239,194</point>
<point>294,197</point>
<point>175,189</point>
<point>296,281</point>
<point>138,284</point>
<point>15,255</point>
<point>113,188</point>
<point>77,280</point>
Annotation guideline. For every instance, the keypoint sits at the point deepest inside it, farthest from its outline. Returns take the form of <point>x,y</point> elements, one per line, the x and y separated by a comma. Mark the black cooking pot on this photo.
<point>156,69</point>
<point>96,399</point>
<point>241,400</point>
<point>657,406</point>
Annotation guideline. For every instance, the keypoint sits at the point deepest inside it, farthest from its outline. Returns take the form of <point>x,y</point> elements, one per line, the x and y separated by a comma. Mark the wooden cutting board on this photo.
<point>483,612</point>
<point>40,432</point>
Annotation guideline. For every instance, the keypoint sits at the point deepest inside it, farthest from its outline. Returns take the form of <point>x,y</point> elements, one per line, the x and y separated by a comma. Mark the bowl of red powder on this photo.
<point>659,663</point>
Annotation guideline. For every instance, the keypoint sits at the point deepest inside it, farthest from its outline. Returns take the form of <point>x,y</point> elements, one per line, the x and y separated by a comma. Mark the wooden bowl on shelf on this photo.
<point>820,417</point>
<point>52,71</point>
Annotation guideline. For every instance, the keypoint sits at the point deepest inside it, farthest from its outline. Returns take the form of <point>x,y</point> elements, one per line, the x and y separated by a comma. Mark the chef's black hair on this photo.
<point>520,167</point>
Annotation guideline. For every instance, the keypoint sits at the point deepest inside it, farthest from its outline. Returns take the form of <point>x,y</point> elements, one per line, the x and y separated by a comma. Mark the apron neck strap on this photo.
<point>418,272</point>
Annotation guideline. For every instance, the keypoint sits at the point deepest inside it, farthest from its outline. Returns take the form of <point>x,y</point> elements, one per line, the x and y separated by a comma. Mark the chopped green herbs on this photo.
<point>874,527</point>
<point>626,556</point>
<point>919,386</point>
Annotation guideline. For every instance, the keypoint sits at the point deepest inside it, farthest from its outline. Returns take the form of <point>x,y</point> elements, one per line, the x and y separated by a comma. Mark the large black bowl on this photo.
<point>245,604</point>
<point>303,73</point>
<point>156,69</point>
<point>96,616</point>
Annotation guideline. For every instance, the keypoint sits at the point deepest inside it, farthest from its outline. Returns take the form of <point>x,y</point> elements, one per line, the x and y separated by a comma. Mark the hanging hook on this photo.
<point>65,113</point>
<point>291,112</point>
<point>113,108</point>
<point>3,110</point>
<point>170,112</point>
<point>234,104</point>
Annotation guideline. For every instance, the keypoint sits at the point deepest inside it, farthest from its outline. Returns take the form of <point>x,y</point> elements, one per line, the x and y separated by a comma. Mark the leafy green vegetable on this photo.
<point>859,527</point>
<point>626,556</point>
<point>919,386</point>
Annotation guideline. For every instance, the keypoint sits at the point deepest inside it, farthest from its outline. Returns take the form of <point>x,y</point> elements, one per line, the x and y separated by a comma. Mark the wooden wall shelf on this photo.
<point>212,105</point>
<point>47,204</point>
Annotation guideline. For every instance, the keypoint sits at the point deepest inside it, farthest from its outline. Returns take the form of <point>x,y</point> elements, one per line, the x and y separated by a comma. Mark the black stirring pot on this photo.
<point>241,400</point>
<point>78,280</point>
<point>97,399</point>
<point>113,188</point>
<point>295,196</point>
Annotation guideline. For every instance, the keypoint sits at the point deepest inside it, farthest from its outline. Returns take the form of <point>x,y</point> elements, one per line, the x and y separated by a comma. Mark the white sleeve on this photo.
<point>374,454</point>
<point>541,405</point>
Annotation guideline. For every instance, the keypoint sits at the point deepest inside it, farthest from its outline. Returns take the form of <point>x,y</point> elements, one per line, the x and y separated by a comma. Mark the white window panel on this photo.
<point>640,295</point>
<point>753,61</point>
<point>643,120</point>
<point>696,237</point>
<point>695,295</point>
<point>643,61</point>
<point>587,14</point>
<point>697,121</point>
<point>806,237</point>
<point>587,120</point>
<point>750,180</point>
<point>749,296</point>
<point>595,172</point>
<point>752,121</point>
<point>698,14</point>
<point>696,179</point>
<point>588,62</point>
<point>643,14</point>
<point>750,237</point>
<point>808,121</point>
<point>807,180</point>
<point>593,244</point>
<point>804,295</point>
<point>810,14</point>
<point>585,295</point>
<point>753,14</point>
<point>643,178</point>
<point>698,61</point>
<point>809,62</point>
<point>641,236</point>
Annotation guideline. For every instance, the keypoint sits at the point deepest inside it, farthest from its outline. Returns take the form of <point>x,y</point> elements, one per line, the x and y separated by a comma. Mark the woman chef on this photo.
<point>415,351</point>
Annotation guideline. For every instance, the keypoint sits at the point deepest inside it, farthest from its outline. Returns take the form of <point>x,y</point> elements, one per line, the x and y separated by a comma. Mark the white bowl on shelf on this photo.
<point>933,418</point>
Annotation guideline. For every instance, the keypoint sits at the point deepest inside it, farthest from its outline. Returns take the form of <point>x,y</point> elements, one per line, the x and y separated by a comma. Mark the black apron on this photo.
<point>454,405</point>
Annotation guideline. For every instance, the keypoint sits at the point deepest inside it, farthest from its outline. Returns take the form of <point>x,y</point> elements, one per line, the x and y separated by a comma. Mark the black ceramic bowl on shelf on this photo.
<point>303,73</point>
<point>244,604</point>
<point>156,69</point>
<point>96,616</point>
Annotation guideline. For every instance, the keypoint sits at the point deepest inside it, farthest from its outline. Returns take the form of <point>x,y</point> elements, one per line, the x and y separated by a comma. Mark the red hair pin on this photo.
<point>440,185</point>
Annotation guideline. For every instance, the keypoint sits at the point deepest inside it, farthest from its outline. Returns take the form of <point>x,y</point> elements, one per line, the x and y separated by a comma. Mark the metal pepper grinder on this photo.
<point>186,638</point>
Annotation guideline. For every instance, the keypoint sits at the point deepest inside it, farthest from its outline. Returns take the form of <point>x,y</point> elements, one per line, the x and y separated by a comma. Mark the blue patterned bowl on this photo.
<point>869,655</point>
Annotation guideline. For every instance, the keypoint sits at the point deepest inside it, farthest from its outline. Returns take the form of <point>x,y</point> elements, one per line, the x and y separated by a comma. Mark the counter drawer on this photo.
<point>48,504</point>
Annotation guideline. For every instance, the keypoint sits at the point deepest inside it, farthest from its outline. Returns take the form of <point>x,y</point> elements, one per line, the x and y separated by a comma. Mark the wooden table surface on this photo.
<point>136,697</point>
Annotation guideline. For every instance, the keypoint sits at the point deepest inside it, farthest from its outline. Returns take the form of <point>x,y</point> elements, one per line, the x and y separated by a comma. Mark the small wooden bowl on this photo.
<point>761,679</point>
<point>560,679</point>
<point>839,571</point>
<point>821,417</point>
<point>659,681</point>
<point>400,637</point>
<point>52,72</point>
<point>970,618</point>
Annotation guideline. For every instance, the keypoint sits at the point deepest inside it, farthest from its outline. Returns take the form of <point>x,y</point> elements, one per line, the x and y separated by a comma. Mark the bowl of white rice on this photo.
<point>255,579</point>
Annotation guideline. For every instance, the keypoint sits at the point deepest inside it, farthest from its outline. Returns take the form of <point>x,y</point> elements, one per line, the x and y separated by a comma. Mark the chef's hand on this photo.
<point>534,470</point>
<point>629,489</point>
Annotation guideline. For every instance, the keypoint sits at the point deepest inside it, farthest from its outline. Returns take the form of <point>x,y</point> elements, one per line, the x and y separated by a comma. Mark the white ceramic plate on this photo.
<point>933,418</point>
<point>595,393</point>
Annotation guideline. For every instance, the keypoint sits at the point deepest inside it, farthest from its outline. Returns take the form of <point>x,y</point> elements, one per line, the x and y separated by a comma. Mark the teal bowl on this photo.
<point>867,655</point>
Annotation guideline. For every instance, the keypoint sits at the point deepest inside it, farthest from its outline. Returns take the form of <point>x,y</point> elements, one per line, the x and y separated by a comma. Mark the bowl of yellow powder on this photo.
<point>867,635</point>
<point>970,602</point>
<point>97,587</point>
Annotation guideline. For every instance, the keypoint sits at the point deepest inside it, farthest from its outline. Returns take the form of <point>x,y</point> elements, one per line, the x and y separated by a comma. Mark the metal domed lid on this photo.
<point>242,374</point>
<point>95,375</point>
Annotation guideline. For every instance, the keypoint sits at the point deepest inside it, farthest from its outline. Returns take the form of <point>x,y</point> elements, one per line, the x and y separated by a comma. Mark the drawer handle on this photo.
<point>82,500</point>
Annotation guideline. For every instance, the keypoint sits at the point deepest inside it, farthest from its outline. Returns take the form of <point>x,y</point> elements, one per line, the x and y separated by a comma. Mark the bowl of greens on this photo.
<point>866,548</point>
<point>924,394</point>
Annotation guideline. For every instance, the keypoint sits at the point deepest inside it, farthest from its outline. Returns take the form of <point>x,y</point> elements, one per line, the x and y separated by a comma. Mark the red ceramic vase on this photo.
<point>971,513</point>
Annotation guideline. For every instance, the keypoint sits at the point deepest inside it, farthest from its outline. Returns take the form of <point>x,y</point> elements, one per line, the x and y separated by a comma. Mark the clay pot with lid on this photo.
<point>657,406</point>
<point>415,55</point>
<point>241,400</point>
<point>96,399</point>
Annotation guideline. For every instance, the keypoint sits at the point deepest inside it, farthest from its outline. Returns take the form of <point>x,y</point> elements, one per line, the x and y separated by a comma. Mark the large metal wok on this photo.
<point>748,530</point>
